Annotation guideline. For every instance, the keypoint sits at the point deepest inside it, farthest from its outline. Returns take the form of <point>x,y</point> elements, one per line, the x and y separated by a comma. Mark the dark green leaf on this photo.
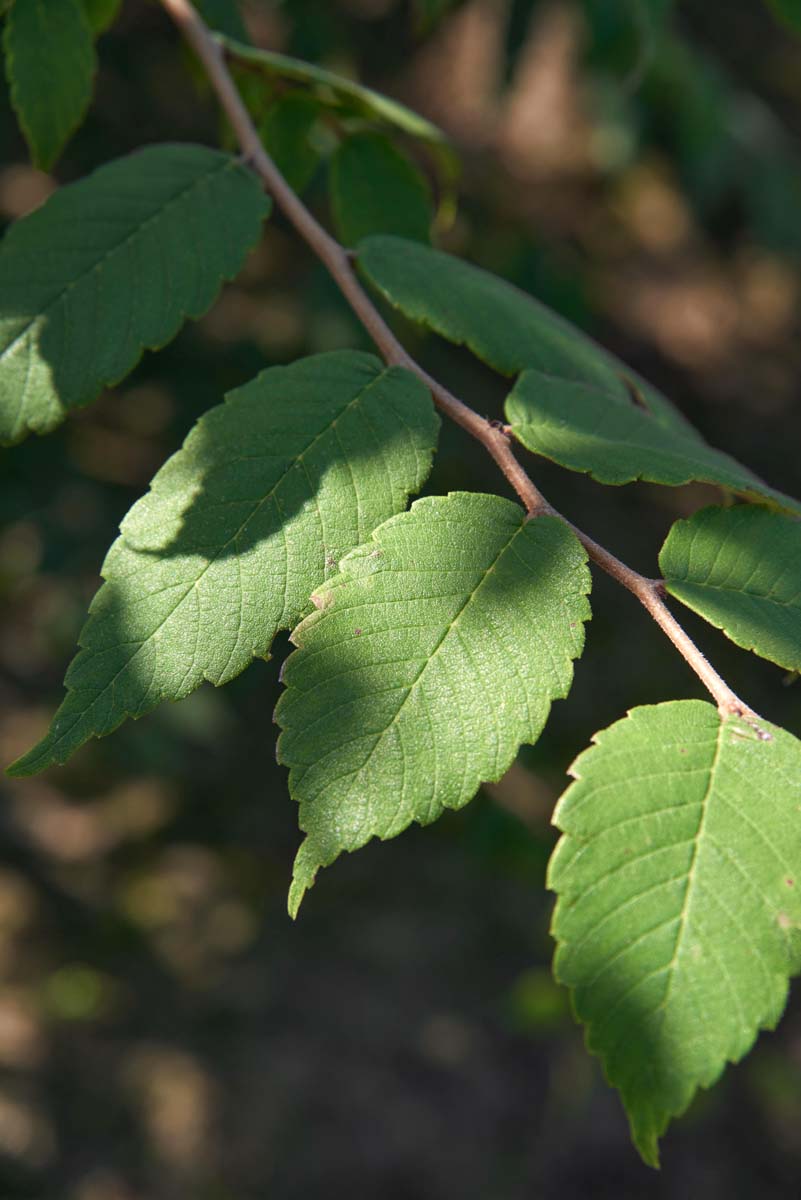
<point>788,11</point>
<point>679,910</point>
<point>50,63</point>
<point>101,13</point>
<point>619,439</point>
<point>268,492</point>
<point>376,189</point>
<point>740,568</point>
<point>225,17</point>
<point>110,266</point>
<point>434,654</point>
<point>286,131</point>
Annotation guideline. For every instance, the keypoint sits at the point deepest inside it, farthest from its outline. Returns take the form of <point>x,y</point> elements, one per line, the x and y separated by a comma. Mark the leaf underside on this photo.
<point>574,402</point>
<point>286,132</point>
<point>679,899</point>
<point>50,63</point>
<point>113,265</point>
<point>434,654</point>
<point>740,569</point>
<point>270,489</point>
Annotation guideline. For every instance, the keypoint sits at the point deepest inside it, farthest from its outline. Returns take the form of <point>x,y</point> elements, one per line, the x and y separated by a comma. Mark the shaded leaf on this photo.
<point>679,884</point>
<point>225,17</point>
<point>618,440</point>
<point>504,327</point>
<point>375,188</point>
<point>269,490</point>
<point>285,132</point>
<point>434,654</point>
<point>740,569</point>
<point>110,266</point>
<point>788,11</point>
<point>50,63</point>
<point>101,14</point>
<point>348,95</point>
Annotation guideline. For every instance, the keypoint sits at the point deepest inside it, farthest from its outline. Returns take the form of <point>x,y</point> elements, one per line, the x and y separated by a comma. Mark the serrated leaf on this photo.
<point>434,654</point>
<point>376,189</point>
<point>618,440</point>
<point>270,489</point>
<point>101,14</point>
<point>285,132</point>
<point>111,266</point>
<point>50,63</point>
<point>679,910</point>
<point>740,569</point>
<point>504,327</point>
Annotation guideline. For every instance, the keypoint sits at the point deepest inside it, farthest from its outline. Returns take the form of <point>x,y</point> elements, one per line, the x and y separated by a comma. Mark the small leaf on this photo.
<point>376,189</point>
<point>434,654</point>
<point>285,132</point>
<point>740,569</point>
<point>679,910</point>
<point>268,492</point>
<point>110,266</point>
<point>345,93</point>
<point>101,14</point>
<point>503,326</point>
<point>619,439</point>
<point>50,62</point>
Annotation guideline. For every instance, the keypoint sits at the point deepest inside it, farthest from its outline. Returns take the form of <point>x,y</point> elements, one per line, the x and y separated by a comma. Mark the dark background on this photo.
<point>165,1031</point>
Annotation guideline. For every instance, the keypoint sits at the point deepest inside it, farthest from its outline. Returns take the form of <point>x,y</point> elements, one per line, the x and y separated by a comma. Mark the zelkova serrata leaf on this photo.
<point>270,489</point>
<point>113,265</point>
<point>617,440</point>
<point>679,913</point>
<point>740,568</point>
<point>375,188</point>
<point>574,402</point>
<point>50,63</point>
<point>435,653</point>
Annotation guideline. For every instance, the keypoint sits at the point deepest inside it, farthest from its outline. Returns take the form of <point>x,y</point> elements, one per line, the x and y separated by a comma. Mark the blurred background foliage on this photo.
<point>165,1031</point>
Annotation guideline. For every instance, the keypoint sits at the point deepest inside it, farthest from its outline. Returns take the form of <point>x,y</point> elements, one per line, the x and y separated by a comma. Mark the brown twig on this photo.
<point>495,438</point>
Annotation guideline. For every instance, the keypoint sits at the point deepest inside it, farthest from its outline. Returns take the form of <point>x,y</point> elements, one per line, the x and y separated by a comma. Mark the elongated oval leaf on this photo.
<point>504,327</point>
<point>740,568</point>
<point>434,654</point>
<point>50,62</point>
<point>679,911</point>
<point>376,189</point>
<point>574,403</point>
<point>617,440</point>
<point>268,492</point>
<point>111,266</point>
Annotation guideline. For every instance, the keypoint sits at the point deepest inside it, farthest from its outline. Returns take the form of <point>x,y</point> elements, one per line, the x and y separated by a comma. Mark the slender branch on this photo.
<point>495,438</point>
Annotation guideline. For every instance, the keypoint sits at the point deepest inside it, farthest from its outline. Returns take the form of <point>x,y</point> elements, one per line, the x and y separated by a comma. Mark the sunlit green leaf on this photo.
<point>434,654</point>
<point>268,492</point>
<point>679,911</point>
<point>740,568</point>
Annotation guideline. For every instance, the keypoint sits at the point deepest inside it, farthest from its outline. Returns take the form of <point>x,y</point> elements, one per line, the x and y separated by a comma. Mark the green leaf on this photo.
<point>50,63</point>
<point>618,439</point>
<point>434,654</point>
<point>225,17</point>
<point>269,490</point>
<point>740,569</point>
<point>101,14</point>
<point>337,90</point>
<point>788,11</point>
<point>285,131</point>
<point>376,189</point>
<point>110,266</point>
<point>679,884</point>
<point>503,326</point>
